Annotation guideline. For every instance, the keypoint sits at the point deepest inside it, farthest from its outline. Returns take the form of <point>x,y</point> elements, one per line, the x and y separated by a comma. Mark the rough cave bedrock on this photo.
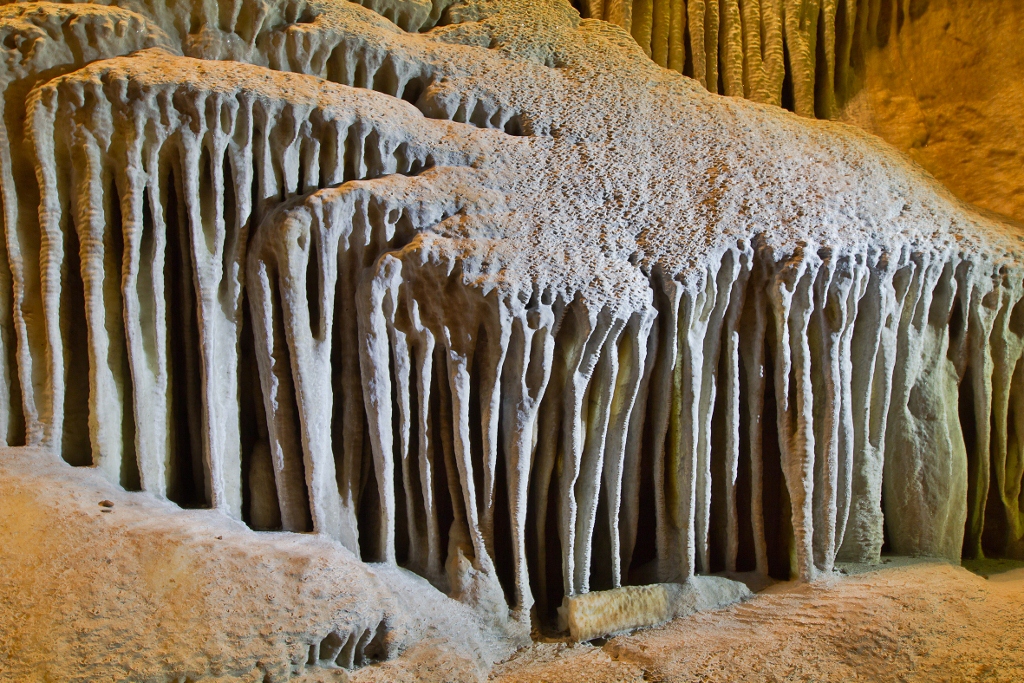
<point>479,289</point>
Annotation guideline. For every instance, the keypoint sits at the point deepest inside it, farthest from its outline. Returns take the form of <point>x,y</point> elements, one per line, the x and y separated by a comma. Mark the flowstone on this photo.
<point>476,289</point>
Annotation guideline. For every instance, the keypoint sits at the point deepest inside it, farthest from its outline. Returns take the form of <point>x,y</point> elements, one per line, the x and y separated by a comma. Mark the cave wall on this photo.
<point>432,285</point>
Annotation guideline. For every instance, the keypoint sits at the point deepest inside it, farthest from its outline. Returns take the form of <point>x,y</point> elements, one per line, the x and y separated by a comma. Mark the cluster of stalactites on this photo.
<point>181,196</point>
<point>553,416</point>
<point>748,49</point>
<point>418,418</point>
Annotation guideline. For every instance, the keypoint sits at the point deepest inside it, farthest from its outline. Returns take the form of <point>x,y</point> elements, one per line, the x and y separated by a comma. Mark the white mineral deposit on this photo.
<point>449,340</point>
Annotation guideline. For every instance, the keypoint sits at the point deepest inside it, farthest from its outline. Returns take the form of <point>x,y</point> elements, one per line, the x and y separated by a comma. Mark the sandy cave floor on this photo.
<point>906,621</point>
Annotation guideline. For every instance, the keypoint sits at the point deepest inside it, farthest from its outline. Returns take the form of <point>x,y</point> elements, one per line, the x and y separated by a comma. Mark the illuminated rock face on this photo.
<point>483,292</point>
<point>954,111</point>
<point>941,80</point>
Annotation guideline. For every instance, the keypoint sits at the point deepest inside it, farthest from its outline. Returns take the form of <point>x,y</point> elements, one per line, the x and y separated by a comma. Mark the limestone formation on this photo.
<point>603,613</point>
<point>801,54</point>
<point>797,53</point>
<point>476,289</point>
<point>939,79</point>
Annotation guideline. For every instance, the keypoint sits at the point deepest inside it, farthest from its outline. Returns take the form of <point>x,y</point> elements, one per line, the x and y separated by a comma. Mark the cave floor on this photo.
<point>154,588</point>
<point>899,621</point>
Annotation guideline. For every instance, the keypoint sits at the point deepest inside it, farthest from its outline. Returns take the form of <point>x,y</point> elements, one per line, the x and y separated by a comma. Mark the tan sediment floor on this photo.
<point>148,585</point>
<point>925,621</point>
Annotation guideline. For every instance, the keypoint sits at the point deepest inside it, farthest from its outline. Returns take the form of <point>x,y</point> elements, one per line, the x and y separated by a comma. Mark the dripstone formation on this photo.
<point>802,54</point>
<point>475,288</point>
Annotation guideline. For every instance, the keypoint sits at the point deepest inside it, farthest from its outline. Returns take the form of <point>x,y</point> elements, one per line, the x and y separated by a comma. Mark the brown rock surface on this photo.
<point>948,89</point>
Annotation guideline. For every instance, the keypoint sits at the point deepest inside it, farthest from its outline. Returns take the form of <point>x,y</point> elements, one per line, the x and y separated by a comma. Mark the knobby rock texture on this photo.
<point>477,289</point>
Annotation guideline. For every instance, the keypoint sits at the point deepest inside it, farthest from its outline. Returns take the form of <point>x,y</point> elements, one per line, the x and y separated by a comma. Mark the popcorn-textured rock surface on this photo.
<point>482,292</point>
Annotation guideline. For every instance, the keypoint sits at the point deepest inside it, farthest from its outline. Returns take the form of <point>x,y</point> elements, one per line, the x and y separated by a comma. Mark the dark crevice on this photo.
<point>823,77</point>
<point>207,199</point>
<point>775,506</point>
<point>446,504</point>
<point>186,481</point>
<point>476,437</point>
<point>370,520</point>
<point>76,446</point>
<point>403,532</point>
<point>232,225</point>
<point>503,551</point>
<point>746,560</point>
<point>117,359</point>
<point>788,100</point>
<point>977,480</point>
<point>252,420</point>
<point>687,52</point>
<point>718,523</point>
<point>373,162</point>
<point>410,468</point>
<point>328,161</point>
<point>645,547</point>
<point>354,141</point>
<point>884,25</point>
<point>314,285</point>
<point>145,289</point>
<point>552,567</point>
<point>412,91</point>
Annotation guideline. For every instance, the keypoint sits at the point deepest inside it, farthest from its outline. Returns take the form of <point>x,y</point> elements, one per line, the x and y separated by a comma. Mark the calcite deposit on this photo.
<point>476,289</point>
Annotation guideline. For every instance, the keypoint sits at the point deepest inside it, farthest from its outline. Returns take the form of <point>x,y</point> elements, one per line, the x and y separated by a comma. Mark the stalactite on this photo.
<point>41,40</point>
<point>745,49</point>
<point>621,452</point>
<point>1008,408</point>
<point>664,404</point>
<point>335,233</point>
<point>752,355</point>
<point>696,11</point>
<point>641,30</point>
<point>924,508</point>
<point>816,311</point>
<point>628,489</point>
<point>731,339</point>
<point>874,350</point>
<point>531,351</point>
<point>792,304</point>
<point>232,152</point>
